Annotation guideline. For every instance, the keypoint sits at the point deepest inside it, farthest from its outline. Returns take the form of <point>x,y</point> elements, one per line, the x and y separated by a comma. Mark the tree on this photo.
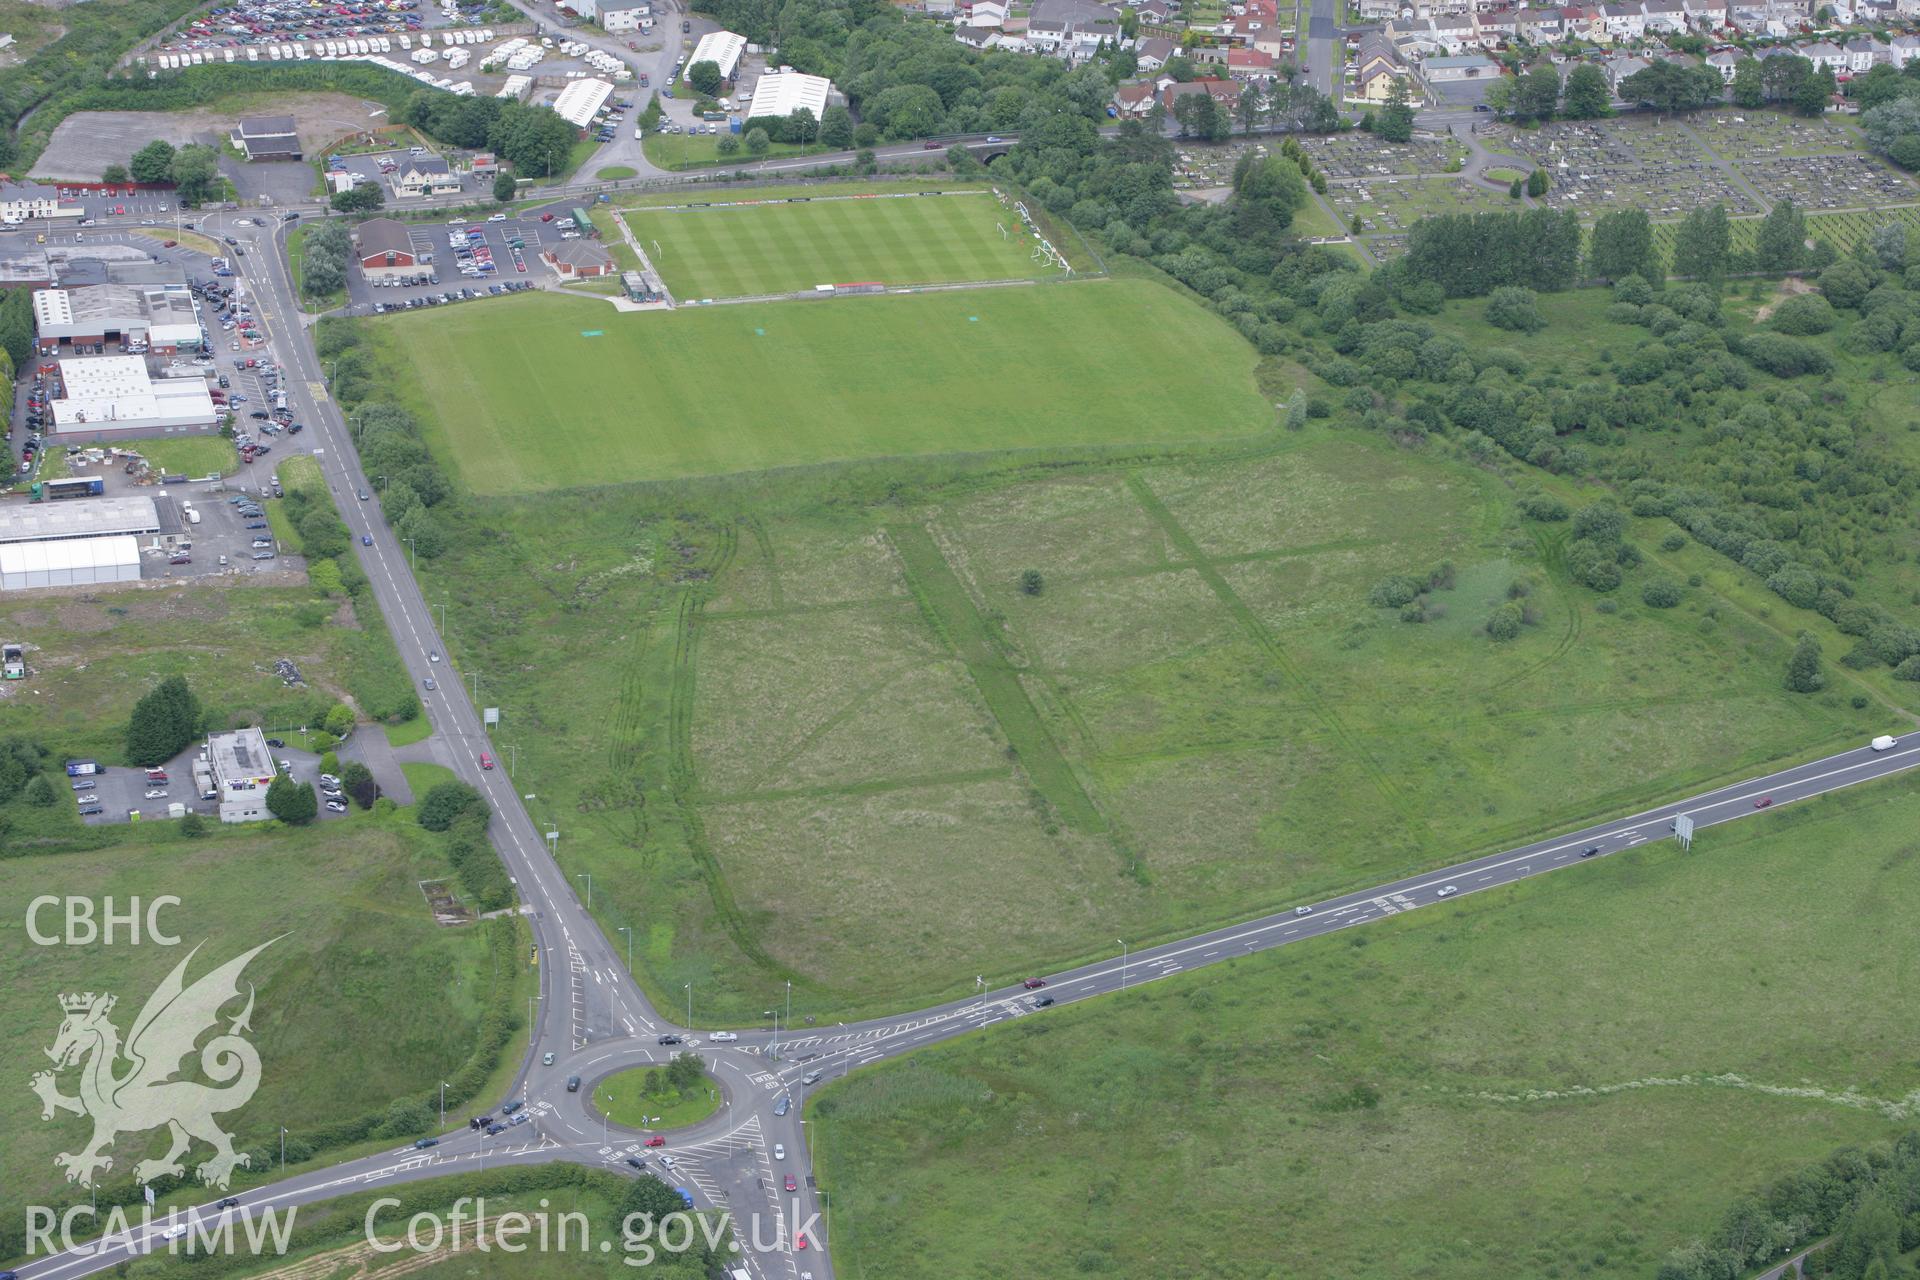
<point>114,174</point>
<point>1814,91</point>
<point>447,803</point>
<point>1514,308</point>
<point>1537,183</point>
<point>1660,593</point>
<point>1395,121</point>
<point>294,803</point>
<point>1703,244</point>
<point>195,172</point>
<point>40,792</point>
<point>1782,239</point>
<point>357,781</point>
<point>1622,246</point>
<point>836,128</point>
<point>1499,95</point>
<point>152,163</point>
<point>338,721</point>
<point>1803,667</point>
<point>1536,94</point>
<point>163,722</point>
<point>705,78</point>
<point>1667,87</point>
<point>727,145</point>
<point>1505,621</point>
<point>504,186</point>
<point>1248,108</point>
<point>362,197</point>
<point>1748,90</point>
<point>684,1072</point>
<point>648,1200</point>
<point>1267,191</point>
<point>1516,188</point>
<point>1587,96</point>
<point>192,825</point>
<point>757,142</point>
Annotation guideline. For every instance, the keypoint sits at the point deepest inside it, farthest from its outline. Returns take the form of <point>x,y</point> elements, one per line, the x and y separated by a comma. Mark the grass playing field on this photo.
<point>743,250</point>
<point>746,388</point>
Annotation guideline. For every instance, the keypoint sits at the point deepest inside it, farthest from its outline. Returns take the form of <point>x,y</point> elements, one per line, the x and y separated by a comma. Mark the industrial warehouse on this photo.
<point>160,316</point>
<point>116,396</point>
<point>70,544</point>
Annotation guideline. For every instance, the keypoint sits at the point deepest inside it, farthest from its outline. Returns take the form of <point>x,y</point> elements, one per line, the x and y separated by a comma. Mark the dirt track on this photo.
<point>86,143</point>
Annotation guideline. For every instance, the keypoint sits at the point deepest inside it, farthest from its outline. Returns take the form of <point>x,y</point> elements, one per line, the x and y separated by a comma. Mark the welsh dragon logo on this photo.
<point>144,1095</point>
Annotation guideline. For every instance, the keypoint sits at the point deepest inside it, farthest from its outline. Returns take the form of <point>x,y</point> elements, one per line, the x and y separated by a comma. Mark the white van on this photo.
<point>1885,743</point>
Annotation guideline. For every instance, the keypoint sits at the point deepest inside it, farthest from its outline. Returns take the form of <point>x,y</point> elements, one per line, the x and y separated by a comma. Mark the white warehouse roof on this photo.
<point>723,49</point>
<point>79,562</point>
<point>782,92</point>
<point>76,518</point>
<point>581,101</point>
<point>107,393</point>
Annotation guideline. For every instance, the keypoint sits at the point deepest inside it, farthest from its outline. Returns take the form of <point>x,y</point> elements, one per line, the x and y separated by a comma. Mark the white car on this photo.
<point>723,1037</point>
<point>498,217</point>
<point>156,795</point>
<point>1303,911</point>
<point>1449,891</point>
<point>329,780</point>
<point>779,1151</point>
<point>336,806</point>
<point>666,1161</point>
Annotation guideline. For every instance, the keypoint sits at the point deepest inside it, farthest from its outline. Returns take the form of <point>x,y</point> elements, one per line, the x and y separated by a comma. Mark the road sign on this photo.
<point>490,716</point>
<point>1683,831</point>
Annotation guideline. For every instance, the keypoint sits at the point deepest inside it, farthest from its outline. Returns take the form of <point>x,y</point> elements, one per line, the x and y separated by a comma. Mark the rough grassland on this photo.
<point>1357,1106</point>
<point>768,734</point>
<point>357,951</point>
<point>744,250</point>
<point>521,402</point>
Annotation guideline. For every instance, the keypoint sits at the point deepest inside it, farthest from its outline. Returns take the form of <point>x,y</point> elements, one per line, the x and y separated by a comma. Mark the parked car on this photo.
<point>336,806</point>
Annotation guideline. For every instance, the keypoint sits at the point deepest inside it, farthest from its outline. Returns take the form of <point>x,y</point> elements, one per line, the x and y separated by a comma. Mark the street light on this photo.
<point>513,761</point>
<point>789,1002</point>
<point>689,987</point>
<point>443,1104</point>
<point>588,877</point>
<point>413,560</point>
<point>283,1148</point>
<point>1123,962</point>
<point>774,1054</point>
<point>476,687</point>
<point>628,930</point>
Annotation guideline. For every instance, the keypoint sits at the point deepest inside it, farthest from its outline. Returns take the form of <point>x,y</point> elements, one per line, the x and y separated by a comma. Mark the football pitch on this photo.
<point>791,245</point>
<point>546,392</point>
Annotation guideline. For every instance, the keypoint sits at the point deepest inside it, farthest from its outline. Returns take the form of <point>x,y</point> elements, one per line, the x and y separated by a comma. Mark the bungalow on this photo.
<point>975,37</point>
<point>1152,53</point>
<point>1250,64</point>
<point>1620,67</point>
<point>1154,12</point>
<point>1224,92</point>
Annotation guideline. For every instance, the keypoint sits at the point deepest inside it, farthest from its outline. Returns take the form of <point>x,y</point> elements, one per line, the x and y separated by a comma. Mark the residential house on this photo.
<point>1724,61</point>
<point>1618,68</point>
<point>1625,21</point>
<point>1250,64</point>
<point>1377,69</point>
<point>984,13</point>
<point>976,37</point>
<point>1454,32</point>
<point>1903,49</point>
<point>1825,53</point>
<point>1707,15</point>
<point>1224,92</point>
<point>1584,23</point>
<point>1539,26</point>
<point>1496,26</point>
<point>1863,52</point>
<point>1154,13</point>
<point>1667,17</point>
<point>1153,53</point>
<point>424,176</point>
<point>1135,100</point>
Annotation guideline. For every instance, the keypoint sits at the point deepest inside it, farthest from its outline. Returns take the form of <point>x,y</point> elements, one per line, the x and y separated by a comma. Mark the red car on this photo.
<point>656,1141</point>
<point>486,760</point>
<point>799,1239</point>
<point>1763,802</point>
<point>1034,984</point>
<point>791,1184</point>
<point>546,217</point>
